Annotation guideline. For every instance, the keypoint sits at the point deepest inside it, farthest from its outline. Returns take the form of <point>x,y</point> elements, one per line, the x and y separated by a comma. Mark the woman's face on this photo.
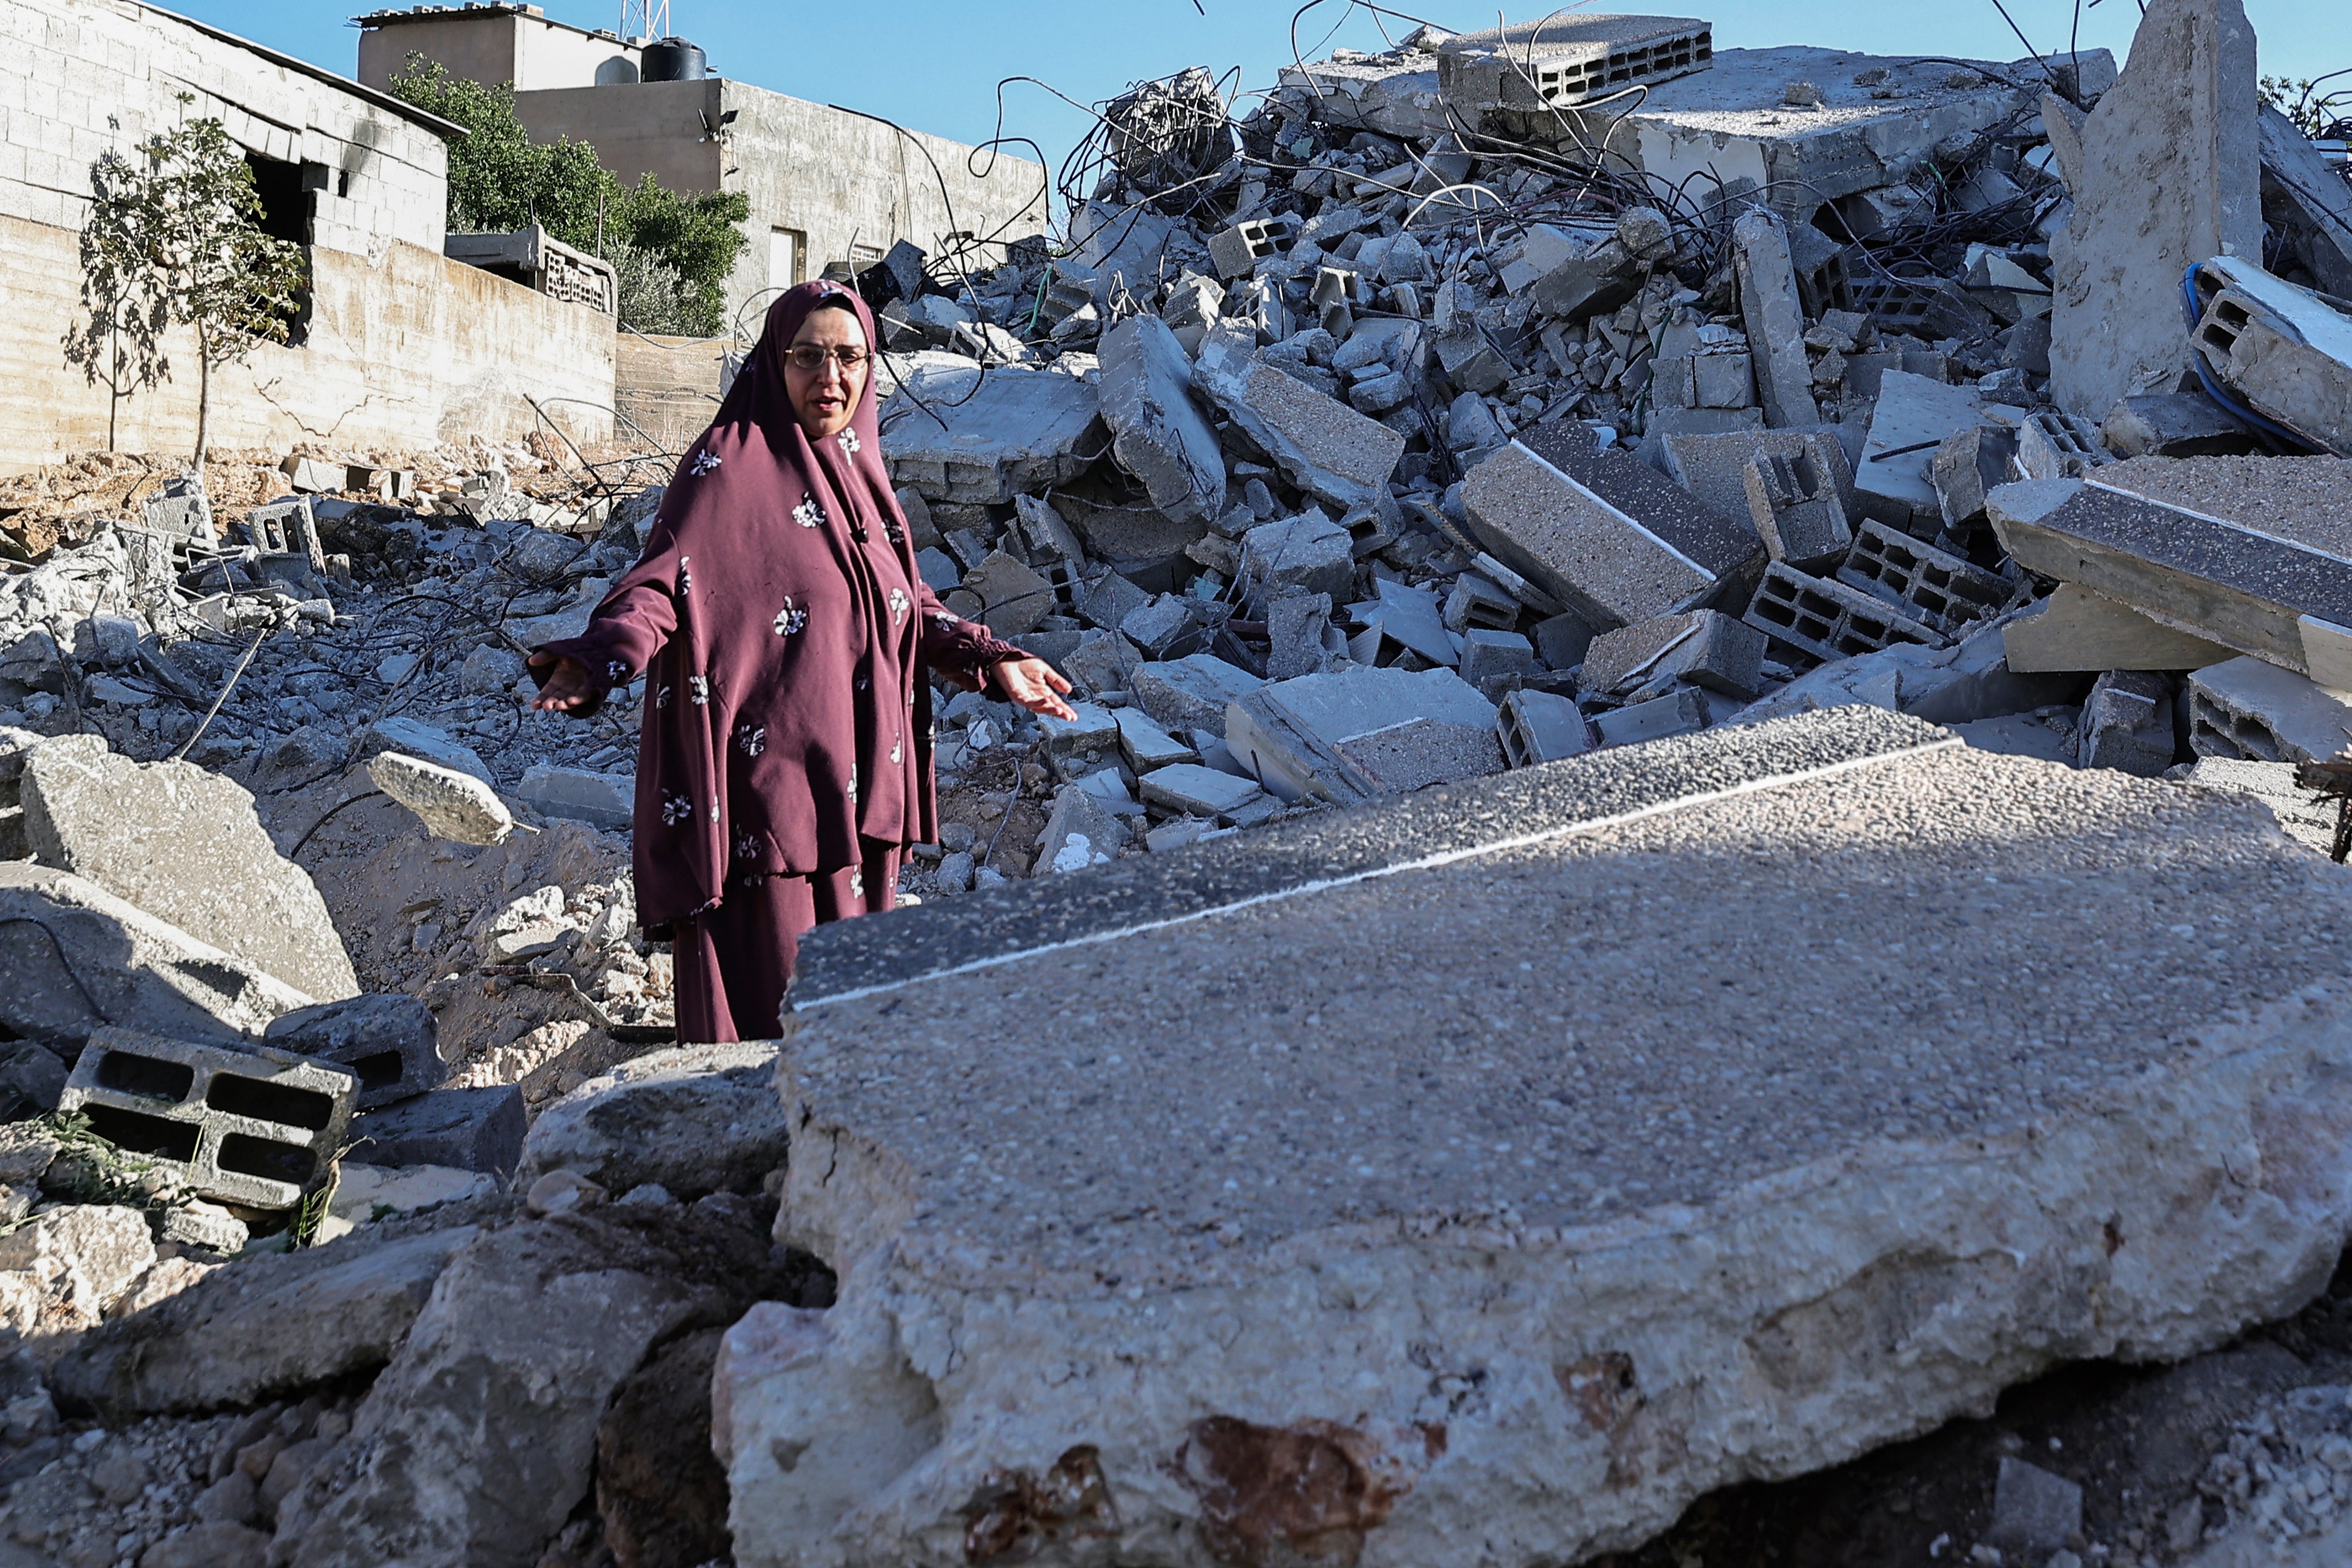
<point>826,389</point>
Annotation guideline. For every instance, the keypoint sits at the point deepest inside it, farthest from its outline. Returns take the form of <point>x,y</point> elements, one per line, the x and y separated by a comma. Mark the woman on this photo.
<point>783,633</point>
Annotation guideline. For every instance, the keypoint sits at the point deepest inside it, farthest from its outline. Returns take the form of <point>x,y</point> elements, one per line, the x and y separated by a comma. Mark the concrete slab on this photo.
<point>1191,692</point>
<point>954,432</point>
<point>1156,433</point>
<point>1580,1173</point>
<point>606,801</point>
<point>182,842</point>
<point>1324,447</point>
<point>1893,482</point>
<point>2246,708</point>
<point>1395,93</point>
<point>1356,734</point>
<point>1713,466</point>
<point>2077,629</point>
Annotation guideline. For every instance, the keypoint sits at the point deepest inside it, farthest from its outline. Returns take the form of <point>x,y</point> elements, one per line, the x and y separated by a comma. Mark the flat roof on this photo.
<point>483,8</point>
<point>383,100</point>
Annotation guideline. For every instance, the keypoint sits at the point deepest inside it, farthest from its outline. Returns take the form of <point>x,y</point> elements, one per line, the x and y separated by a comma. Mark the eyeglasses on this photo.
<point>812,356</point>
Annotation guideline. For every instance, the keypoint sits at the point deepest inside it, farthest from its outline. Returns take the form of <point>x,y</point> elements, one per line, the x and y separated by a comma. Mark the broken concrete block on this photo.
<point>1775,319</point>
<point>2049,445</point>
<point>1971,464</point>
<point>2034,1510</point>
<point>2077,629</point>
<point>958,435</point>
<point>2251,561</point>
<point>2181,119</point>
<point>1933,586</point>
<point>1081,832</point>
<point>81,1259</point>
<point>2126,724</point>
<point>1601,531</point>
<point>269,1327</point>
<point>1793,502</point>
<point>1541,727</point>
<point>254,1127</point>
<point>2282,350</point>
<point>181,510</point>
<point>1197,791</point>
<point>1827,619</point>
<point>1322,446</point>
<point>1237,250</point>
<point>1393,95</point>
<point>1145,745</point>
<point>1306,554</point>
<point>1108,599</point>
<point>2306,198</point>
<point>1166,625</point>
<point>1355,734</point>
<point>2174,424</point>
<point>1490,657</point>
<point>1157,434</point>
<point>1191,692</point>
<point>464,1129</point>
<point>1703,647</point>
<point>1094,732</point>
<point>1295,626</point>
<point>2246,708</point>
<point>606,801</point>
<point>184,843</point>
<point>406,734</point>
<point>1103,661</point>
<point>696,1120</point>
<point>77,957</point>
<point>1475,601</point>
<point>1912,417</point>
<point>1679,712</point>
<point>1012,598</point>
<point>957,1240</point>
<point>452,805</point>
<point>392,1042</point>
<point>1713,465</point>
<point>1562,61</point>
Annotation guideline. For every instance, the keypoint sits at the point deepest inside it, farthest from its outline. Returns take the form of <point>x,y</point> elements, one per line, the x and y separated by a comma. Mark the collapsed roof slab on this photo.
<point>1478,1179</point>
<point>1732,121</point>
<point>957,433</point>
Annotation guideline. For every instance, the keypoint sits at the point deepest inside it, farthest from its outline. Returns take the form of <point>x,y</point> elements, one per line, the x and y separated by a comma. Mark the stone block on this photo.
<point>452,805</point>
<point>1680,712</point>
<point>465,1129</point>
<point>1933,586</point>
<point>1827,620</point>
<point>1191,692</point>
<point>2174,424</point>
<point>181,510</point>
<point>1356,734</point>
<point>81,1259</point>
<point>406,734</point>
<point>1775,318</point>
<point>960,435</point>
<point>1713,465</point>
<point>1093,733</point>
<point>1723,381</point>
<point>1108,599</point>
<point>1306,554</point>
<point>1490,658</point>
<point>254,1126</point>
<point>1103,661</point>
<point>2077,629</point>
<point>1912,417</point>
<point>184,843</point>
<point>1856,1205</point>
<point>1237,250</point>
<point>1326,448</point>
<point>1166,626</point>
<point>1012,598</point>
<point>2126,723</point>
<point>1541,727</point>
<point>1795,507</point>
<point>2181,119</point>
<point>2052,446</point>
<point>1156,433</point>
<point>1477,602</point>
<point>1601,531</point>
<point>1145,744</point>
<point>1704,647</point>
<point>1297,624</point>
<point>1197,791</point>
<point>606,801</point>
<point>2245,708</point>
<point>700,1119</point>
<point>391,1042</point>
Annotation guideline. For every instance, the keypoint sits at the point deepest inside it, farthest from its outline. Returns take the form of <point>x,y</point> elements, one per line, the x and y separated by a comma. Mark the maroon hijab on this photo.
<point>782,629</point>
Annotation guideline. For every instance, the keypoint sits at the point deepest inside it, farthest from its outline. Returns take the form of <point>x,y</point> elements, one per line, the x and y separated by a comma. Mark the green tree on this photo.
<point>2320,116</point>
<point>674,252</point>
<point>174,239</point>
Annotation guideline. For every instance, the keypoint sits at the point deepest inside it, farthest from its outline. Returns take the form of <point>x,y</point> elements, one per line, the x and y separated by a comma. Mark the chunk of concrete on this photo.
<point>1296,626</point>
<point>1409,617</point>
<point>959,434</point>
<point>451,804</point>
<point>1713,465</point>
<point>406,734</point>
<point>1971,462</point>
<point>2077,629</point>
<point>1306,554</point>
<point>1355,734</point>
<point>2033,1509</point>
<point>77,958</point>
<point>1193,692</point>
<point>2246,708</point>
<point>1145,745</point>
<point>1197,791</point>
<point>1793,503</point>
<point>1602,532</point>
<point>2181,120</point>
<point>1963,684</point>
<point>1682,712</point>
<point>696,1120</point>
<point>2282,350</point>
<point>1541,727</point>
<point>606,801</point>
<point>184,843</point>
<point>1934,587</point>
<point>1490,657</point>
<point>1561,62</point>
<point>465,1129</point>
<point>1326,448</point>
<point>392,1042</point>
<point>2306,198</point>
<point>269,1327</point>
<point>1156,433</point>
<point>1263,1309</point>
<point>1081,831</point>
<point>1829,620</point>
<point>2174,424</point>
<point>1012,598</point>
<point>1704,647</point>
<point>2126,723</point>
<point>1914,417</point>
<point>78,1261</point>
<point>1775,319</point>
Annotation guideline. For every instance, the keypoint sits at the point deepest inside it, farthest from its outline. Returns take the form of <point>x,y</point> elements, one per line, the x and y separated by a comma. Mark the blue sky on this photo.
<point>933,65</point>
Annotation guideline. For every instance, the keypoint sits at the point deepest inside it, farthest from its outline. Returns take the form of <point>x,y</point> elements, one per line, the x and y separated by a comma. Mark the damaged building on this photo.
<point>1695,911</point>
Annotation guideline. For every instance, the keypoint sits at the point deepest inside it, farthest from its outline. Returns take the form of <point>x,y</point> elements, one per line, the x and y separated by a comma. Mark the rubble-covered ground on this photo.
<point>1377,435</point>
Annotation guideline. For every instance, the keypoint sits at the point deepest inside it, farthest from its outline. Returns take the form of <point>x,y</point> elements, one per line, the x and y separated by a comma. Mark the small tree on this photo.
<point>120,346</point>
<point>178,231</point>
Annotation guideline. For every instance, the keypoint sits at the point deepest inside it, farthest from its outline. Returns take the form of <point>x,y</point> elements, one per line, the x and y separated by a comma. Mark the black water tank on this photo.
<point>673,59</point>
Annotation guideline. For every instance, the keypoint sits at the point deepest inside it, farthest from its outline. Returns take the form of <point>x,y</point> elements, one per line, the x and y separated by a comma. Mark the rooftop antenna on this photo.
<point>644,19</point>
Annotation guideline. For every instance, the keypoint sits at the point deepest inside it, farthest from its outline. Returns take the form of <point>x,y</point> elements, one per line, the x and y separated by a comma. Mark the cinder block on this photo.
<point>1541,727</point>
<point>253,1127</point>
<point>1676,713</point>
<point>2244,708</point>
<point>1829,620</point>
<point>1934,587</point>
<point>1793,501</point>
<point>1704,647</point>
<point>392,1042</point>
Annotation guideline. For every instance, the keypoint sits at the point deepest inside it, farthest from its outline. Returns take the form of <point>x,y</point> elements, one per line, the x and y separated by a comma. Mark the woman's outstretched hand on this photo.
<point>568,688</point>
<point>1035,684</point>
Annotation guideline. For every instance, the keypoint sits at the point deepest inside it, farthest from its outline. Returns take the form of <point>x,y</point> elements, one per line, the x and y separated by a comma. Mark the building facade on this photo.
<point>398,347</point>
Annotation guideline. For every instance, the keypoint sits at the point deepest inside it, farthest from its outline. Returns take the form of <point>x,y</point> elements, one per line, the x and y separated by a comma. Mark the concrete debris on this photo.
<point>1357,734</point>
<point>1157,432</point>
<point>461,1129</point>
<point>457,806</point>
<point>2280,351</point>
<point>601,799</point>
<point>392,1043</point>
<point>694,1121</point>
